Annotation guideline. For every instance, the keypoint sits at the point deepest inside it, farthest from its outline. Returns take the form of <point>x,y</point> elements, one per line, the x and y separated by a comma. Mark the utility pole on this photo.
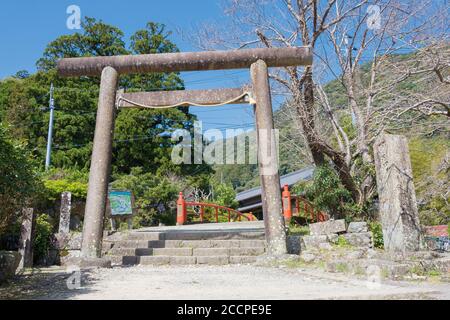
<point>50,129</point>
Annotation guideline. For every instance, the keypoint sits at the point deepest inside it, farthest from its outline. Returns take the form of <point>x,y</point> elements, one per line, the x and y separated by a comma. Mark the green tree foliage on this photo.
<point>18,179</point>
<point>225,195</point>
<point>141,136</point>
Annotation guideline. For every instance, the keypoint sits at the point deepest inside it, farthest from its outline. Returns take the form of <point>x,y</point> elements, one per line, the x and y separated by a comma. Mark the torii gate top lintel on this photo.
<point>186,61</point>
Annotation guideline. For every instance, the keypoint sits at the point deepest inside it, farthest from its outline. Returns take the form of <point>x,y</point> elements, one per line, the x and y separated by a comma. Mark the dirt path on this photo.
<point>213,282</point>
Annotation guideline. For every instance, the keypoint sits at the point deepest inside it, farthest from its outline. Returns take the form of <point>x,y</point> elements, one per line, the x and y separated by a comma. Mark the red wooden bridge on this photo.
<point>293,205</point>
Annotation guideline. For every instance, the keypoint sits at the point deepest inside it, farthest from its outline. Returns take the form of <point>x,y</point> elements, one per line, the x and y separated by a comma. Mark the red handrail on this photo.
<point>217,209</point>
<point>182,210</point>
<point>308,209</point>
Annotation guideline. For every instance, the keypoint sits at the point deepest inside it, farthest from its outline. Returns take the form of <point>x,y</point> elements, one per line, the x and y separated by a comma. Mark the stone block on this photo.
<point>293,244</point>
<point>9,261</point>
<point>333,238</point>
<point>312,242</point>
<point>355,227</point>
<point>363,239</point>
<point>327,227</point>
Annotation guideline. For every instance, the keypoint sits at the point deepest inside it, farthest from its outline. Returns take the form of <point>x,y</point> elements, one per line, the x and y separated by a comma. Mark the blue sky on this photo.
<point>26,27</point>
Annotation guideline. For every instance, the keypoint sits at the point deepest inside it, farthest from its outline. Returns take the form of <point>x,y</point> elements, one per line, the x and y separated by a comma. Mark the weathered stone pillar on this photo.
<point>100,166</point>
<point>64,214</point>
<point>26,238</point>
<point>398,206</point>
<point>64,220</point>
<point>268,161</point>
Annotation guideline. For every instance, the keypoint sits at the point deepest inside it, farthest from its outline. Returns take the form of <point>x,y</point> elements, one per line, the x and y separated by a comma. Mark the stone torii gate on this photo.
<point>258,60</point>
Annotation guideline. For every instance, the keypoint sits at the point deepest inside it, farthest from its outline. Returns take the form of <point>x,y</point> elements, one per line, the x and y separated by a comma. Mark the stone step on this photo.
<point>152,260</point>
<point>211,252</point>
<point>133,244</point>
<point>163,260</point>
<point>246,251</point>
<point>216,235</point>
<point>146,236</point>
<point>214,243</point>
<point>172,251</point>
<point>187,260</point>
<point>213,260</point>
<point>197,252</point>
<point>115,259</point>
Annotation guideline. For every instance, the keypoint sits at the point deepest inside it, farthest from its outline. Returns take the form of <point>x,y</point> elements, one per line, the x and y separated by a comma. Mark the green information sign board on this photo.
<point>121,203</point>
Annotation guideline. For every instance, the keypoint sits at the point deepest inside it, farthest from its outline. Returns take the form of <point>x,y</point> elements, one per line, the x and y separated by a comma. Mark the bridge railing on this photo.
<point>188,207</point>
<point>297,206</point>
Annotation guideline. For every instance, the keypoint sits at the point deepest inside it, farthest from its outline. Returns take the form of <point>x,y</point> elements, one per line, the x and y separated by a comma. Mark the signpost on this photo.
<point>121,204</point>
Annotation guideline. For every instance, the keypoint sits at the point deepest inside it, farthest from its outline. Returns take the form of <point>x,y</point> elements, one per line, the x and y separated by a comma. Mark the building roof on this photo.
<point>289,179</point>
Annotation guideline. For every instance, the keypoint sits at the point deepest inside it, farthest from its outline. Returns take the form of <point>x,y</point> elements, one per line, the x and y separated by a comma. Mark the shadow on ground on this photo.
<point>45,284</point>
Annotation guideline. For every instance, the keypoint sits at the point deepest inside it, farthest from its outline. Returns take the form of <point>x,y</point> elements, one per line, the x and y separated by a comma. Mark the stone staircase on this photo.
<point>186,247</point>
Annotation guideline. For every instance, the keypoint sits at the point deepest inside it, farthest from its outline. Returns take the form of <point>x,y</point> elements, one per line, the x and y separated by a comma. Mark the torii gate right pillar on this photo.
<point>268,161</point>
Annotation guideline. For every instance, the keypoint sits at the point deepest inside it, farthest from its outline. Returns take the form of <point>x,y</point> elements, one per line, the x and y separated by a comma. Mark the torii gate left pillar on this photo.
<point>100,165</point>
<point>110,67</point>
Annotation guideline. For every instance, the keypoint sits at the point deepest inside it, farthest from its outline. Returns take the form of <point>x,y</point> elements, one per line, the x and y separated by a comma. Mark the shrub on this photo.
<point>54,188</point>
<point>327,193</point>
<point>377,232</point>
<point>43,237</point>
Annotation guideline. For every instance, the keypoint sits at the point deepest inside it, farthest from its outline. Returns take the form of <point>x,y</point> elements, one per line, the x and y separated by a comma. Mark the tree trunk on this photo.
<point>318,147</point>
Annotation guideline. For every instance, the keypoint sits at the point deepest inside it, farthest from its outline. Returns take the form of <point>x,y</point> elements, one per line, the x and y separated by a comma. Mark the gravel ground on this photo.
<point>213,282</point>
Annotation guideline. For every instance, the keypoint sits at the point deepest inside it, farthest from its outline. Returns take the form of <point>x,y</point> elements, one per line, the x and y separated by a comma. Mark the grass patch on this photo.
<point>434,273</point>
<point>342,242</point>
<point>298,230</point>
